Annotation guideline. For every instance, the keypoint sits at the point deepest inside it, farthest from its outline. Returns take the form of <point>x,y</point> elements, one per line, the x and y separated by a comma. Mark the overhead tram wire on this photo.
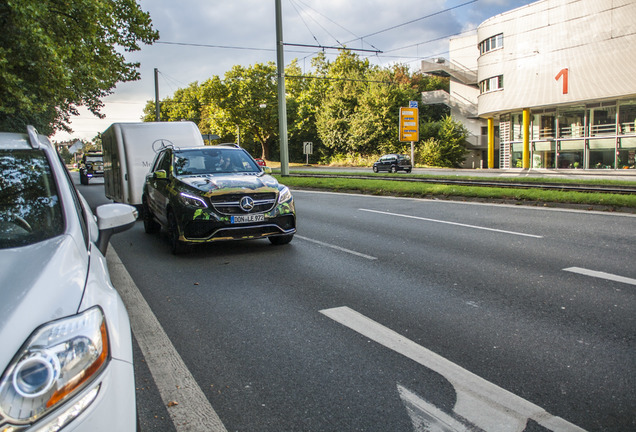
<point>414,20</point>
<point>376,51</point>
<point>306,26</point>
<point>215,46</point>
<point>332,21</point>
<point>321,46</point>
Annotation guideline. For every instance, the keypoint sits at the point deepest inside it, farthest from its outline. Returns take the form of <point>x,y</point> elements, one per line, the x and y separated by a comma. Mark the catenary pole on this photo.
<point>157,111</point>
<point>282,106</point>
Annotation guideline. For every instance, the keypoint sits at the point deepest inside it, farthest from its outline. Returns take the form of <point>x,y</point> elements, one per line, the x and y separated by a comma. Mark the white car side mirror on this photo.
<point>112,219</point>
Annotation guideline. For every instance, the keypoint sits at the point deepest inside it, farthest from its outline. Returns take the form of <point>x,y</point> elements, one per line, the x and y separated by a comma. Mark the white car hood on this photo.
<point>38,284</point>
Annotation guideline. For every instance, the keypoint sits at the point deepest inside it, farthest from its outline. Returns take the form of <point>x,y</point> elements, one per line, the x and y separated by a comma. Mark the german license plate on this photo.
<point>248,218</point>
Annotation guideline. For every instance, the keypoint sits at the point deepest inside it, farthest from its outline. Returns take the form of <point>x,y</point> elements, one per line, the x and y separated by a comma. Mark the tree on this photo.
<point>66,155</point>
<point>448,150</point>
<point>58,55</point>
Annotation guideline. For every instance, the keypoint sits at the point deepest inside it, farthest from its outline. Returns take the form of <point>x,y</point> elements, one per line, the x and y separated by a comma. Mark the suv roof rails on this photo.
<point>33,137</point>
<point>229,145</point>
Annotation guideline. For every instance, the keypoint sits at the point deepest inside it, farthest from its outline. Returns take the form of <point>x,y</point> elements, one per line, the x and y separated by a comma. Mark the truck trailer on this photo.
<point>129,150</point>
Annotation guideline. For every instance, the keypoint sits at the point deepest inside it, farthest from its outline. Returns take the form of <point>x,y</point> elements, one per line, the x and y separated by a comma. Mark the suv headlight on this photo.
<point>192,200</point>
<point>284,195</point>
<point>55,363</point>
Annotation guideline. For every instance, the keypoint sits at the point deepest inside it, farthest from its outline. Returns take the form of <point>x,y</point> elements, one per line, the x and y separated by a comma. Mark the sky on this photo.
<point>199,39</point>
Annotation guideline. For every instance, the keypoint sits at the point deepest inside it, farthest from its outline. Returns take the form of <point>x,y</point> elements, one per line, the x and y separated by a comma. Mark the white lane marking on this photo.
<point>525,208</point>
<point>349,251</point>
<point>601,275</point>
<point>426,417</point>
<point>451,223</point>
<point>192,411</point>
<point>481,402</point>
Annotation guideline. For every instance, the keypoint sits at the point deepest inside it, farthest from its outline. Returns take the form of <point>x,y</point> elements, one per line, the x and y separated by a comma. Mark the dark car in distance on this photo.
<point>212,193</point>
<point>393,163</point>
<point>92,166</point>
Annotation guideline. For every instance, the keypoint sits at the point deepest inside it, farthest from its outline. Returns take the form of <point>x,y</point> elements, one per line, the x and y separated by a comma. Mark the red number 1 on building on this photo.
<point>563,73</point>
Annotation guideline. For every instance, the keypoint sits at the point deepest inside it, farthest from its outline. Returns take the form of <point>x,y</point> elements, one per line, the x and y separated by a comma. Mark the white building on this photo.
<point>554,81</point>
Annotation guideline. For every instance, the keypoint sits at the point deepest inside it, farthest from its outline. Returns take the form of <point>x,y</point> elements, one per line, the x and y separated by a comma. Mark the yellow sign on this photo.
<point>409,124</point>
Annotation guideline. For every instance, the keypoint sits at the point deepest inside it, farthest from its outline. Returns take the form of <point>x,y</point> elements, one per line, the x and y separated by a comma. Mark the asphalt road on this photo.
<point>389,314</point>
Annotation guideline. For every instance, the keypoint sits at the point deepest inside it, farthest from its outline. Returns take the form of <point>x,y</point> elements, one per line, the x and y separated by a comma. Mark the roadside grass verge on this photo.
<point>507,179</point>
<point>592,201</point>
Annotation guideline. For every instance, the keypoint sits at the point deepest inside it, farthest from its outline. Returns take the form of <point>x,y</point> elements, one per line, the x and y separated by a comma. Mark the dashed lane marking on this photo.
<point>341,249</point>
<point>452,223</point>
<point>601,275</point>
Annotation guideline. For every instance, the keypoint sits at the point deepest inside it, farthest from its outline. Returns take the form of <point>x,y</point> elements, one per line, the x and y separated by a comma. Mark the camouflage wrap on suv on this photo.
<point>215,193</point>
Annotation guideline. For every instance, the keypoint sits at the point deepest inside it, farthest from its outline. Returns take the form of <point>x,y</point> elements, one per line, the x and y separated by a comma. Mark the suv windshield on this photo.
<point>213,161</point>
<point>30,209</point>
<point>92,159</point>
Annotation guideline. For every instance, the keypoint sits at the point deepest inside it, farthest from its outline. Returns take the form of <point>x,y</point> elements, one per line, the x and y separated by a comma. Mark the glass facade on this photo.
<point>593,136</point>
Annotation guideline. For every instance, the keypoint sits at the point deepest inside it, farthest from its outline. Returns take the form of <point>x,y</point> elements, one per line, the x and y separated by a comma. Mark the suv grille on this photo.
<point>230,204</point>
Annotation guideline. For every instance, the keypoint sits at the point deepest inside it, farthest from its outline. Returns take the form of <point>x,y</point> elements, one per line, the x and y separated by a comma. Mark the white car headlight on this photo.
<point>284,195</point>
<point>57,361</point>
<point>192,200</point>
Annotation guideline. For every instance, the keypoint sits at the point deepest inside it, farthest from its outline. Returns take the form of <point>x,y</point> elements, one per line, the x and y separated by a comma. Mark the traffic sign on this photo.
<point>413,104</point>
<point>308,147</point>
<point>409,124</point>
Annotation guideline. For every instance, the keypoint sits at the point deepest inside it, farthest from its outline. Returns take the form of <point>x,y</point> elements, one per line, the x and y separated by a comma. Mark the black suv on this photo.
<point>393,163</point>
<point>210,193</point>
<point>92,166</point>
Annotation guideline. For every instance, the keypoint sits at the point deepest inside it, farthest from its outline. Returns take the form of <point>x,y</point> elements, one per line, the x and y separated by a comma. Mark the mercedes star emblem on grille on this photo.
<point>246,203</point>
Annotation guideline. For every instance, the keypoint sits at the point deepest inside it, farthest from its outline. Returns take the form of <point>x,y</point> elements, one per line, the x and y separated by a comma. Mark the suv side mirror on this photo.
<point>267,170</point>
<point>161,174</point>
<point>112,219</point>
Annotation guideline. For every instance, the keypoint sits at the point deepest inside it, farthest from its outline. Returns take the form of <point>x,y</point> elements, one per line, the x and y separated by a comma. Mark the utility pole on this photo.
<point>157,111</point>
<point>282,104</point>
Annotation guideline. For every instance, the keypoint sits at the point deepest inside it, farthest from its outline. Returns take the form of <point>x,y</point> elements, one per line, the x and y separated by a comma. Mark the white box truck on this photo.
<point>129,150</point>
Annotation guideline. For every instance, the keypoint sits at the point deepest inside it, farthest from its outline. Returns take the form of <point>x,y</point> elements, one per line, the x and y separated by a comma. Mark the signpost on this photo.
<point>410,126</point>
<point>308,148</point>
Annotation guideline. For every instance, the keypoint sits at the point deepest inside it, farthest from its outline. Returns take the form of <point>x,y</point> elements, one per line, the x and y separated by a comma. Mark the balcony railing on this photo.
<point>444,67</point>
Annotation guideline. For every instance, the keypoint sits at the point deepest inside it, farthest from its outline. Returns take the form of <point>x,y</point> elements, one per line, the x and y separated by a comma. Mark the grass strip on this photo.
<point>424,190</point>
<point>503,179</point>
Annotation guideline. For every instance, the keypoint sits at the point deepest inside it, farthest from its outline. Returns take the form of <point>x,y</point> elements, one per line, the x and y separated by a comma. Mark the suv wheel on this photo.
<point>375,169</point>
<point>83,178</point>
<point>176,246</point>
<point>393,169</point>
<point>281,240</point>
<point>151,226</point>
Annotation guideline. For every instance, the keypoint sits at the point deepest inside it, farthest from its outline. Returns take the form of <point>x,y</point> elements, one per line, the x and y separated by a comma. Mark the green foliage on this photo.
<point>244,102</point>
<point>66,156</point>
<point>348,108</point>
<point>446,147</point>
<point>57,55</point>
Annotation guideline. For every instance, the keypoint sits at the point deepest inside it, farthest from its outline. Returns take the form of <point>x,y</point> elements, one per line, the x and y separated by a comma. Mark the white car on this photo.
<point>66,357</point>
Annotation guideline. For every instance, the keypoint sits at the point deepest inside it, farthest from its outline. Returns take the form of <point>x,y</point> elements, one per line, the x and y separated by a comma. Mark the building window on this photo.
<point>492,43</point>
<point>603,121</point>
<point>491,84</point>
<point>572,122</point>
<point>627,118</point>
